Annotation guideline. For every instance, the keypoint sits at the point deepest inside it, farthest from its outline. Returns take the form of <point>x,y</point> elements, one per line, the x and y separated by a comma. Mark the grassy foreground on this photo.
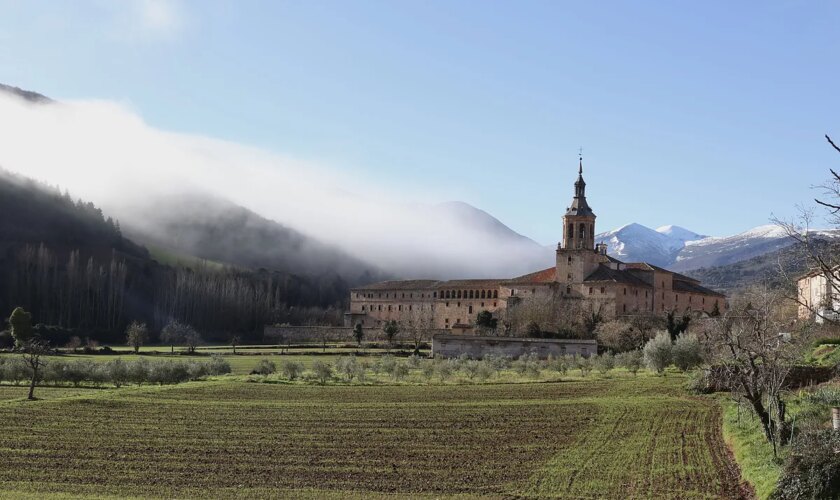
<point>754,454</point>
<point>622,437</point>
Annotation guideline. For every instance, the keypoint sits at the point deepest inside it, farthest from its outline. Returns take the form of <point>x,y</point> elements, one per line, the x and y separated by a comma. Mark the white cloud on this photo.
<point>107,154</point>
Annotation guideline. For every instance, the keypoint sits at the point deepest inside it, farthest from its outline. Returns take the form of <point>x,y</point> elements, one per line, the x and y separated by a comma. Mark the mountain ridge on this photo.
<point>672,247</point>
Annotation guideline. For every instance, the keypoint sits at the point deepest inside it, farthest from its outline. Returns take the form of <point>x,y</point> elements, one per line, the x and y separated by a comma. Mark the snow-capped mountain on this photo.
<point>680,249</point>
<point>679,233</point>
<point>638,243</point>
<point>719,251</point>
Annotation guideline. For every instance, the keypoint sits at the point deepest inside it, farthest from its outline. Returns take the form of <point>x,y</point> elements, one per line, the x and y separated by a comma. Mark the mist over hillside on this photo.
<point>70,264</point>
<point>130,168</point>
<point>216,229</point>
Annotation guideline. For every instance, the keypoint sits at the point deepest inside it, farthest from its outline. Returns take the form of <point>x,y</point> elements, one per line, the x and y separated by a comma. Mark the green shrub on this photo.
<point>632,361</point>
<point>583,364</point>
<point>322,371</point>
<point>687,352</point>
<point>350,368</point>
<point>118,372</point>
<point>399,371</point>
<point>218,365</point>
<point>470,368</point>
<point>812,469</point>
<point>138,372</point>
<point>444,369</point>
<point>291,369</point>
<point>657,352</point>
<point>264,367</point>
<point>385,364</point>
<point>528,365</point>
<point>497,363</point>
<point>428,369</point>
<point>827,341</point>
<point>604,363</point>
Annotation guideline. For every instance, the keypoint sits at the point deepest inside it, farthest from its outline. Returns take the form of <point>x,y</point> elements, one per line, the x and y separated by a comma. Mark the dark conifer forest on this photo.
<point>70,265</point>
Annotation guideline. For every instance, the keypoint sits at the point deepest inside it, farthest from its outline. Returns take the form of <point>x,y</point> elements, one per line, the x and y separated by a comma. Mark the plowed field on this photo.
<point>618,438</point>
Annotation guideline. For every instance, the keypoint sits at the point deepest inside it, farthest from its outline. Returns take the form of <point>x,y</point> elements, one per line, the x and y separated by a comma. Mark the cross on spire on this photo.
<point>580,158</point>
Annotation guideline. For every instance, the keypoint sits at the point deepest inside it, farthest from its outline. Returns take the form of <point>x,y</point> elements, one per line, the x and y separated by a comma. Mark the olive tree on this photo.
<point>657,352</point>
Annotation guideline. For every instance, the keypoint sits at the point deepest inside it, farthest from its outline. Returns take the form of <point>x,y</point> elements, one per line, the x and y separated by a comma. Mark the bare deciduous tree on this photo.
<point>820,256</point>
<point>421,324</point>
<point>550,313</point>
<point>32,352</point>
<point>136,335</point>
<point>753,359</point>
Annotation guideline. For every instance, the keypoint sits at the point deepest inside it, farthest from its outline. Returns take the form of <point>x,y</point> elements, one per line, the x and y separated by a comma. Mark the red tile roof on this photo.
<point>544,276</point>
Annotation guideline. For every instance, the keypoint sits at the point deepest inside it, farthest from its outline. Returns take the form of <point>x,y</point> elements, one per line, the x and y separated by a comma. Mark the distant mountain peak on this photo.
<point>680,249</point>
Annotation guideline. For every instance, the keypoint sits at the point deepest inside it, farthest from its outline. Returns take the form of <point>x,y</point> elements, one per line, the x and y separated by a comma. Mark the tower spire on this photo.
<point>580,159</point>
<point>579,221</point>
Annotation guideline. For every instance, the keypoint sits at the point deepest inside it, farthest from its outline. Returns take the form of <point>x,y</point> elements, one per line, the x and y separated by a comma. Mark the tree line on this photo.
<point>100,297</point>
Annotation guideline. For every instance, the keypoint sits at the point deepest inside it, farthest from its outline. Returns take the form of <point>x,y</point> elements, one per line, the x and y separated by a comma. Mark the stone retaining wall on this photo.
<point>319,334</point>
<point>451,346</point>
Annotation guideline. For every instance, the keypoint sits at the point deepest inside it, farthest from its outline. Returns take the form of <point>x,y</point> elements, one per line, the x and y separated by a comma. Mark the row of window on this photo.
<point>444,294</point>
<point>410,307</point>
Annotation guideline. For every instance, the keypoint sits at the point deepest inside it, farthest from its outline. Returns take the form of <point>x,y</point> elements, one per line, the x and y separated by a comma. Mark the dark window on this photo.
<point>602,289</point>
<point>495,294</point>
<point>625,307</point>
<point>568,290</point>
<point>470,310</point>
<point>625,291</point>
<point>571,232</point>
<point>570,259</point>
<point>590,290</point>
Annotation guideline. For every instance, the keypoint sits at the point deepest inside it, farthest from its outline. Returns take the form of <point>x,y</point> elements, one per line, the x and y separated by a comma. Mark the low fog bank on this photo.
<point>103,152</point>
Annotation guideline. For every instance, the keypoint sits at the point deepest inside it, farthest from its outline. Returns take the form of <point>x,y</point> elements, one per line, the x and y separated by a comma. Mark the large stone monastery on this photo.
<point>583,272</point>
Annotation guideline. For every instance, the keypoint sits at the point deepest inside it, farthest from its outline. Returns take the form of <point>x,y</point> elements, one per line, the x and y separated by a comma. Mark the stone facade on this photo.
<point>818,297</point>
<point>582,271</point>
<point>451,346</point>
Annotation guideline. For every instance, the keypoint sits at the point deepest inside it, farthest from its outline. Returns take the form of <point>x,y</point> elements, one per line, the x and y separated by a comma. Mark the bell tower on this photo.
<point>579,221</point>
<point>576,253</point>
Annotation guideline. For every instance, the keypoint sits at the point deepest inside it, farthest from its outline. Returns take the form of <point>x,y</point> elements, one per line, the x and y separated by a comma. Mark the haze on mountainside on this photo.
<point>158,183</point>
<point>230,203</point>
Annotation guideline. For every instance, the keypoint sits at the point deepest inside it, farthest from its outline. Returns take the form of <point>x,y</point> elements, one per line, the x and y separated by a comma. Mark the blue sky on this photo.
<point>709,115</point>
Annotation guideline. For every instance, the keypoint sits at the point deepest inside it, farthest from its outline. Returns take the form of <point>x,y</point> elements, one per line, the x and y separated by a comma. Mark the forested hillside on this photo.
<point>70,265</point>
<point>217,229</point>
